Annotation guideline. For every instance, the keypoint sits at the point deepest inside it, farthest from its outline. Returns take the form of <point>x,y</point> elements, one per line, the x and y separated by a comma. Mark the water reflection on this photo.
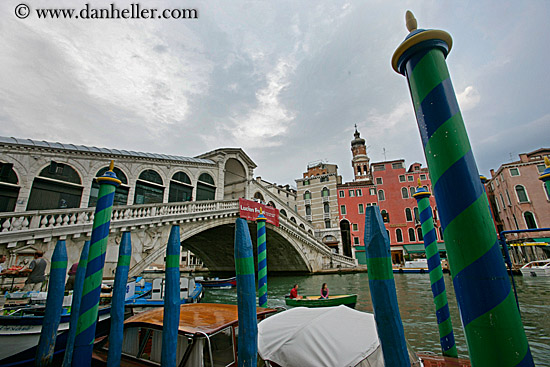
<point>416,306</point>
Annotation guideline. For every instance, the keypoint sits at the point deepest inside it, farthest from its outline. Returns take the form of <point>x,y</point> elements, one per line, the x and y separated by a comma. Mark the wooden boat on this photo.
<point>539,268</point>
<point>190,292</point>
<point>206,337</point>
<point>333,336</point>
<point>315,301</point>
<point>218,283</point>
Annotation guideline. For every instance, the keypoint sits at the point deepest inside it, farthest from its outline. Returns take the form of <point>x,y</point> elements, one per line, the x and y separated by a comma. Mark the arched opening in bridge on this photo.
<point>282,212</point>
<point>9,187</point>
<point>258,196</point>
<point>149,188</point>
<point>121,192</point>
<point>58,186</point>
<point>206,188</point>
<point>331,242</point>
<point>181,188</point>
<point>235,180</point>
<point>271,204</point>
<point>346,237</point>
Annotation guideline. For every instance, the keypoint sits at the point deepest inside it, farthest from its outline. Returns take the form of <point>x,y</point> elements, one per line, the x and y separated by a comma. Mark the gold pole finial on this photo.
<point>547,162</point>
<point>419,183</point>
<point>410,21</point>
<point>261,211</point>
<point>112,165</point>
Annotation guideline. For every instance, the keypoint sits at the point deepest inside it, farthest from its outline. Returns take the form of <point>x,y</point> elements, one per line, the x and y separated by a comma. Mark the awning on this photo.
<point>415,249</point>
<point>542,239</point>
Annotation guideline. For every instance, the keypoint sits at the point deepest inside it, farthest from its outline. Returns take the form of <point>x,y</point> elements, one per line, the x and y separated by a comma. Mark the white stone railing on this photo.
<point>44,224</point>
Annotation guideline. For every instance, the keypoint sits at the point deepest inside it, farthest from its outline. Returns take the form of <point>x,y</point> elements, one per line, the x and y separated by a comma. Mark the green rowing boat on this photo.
<point>313,301</point>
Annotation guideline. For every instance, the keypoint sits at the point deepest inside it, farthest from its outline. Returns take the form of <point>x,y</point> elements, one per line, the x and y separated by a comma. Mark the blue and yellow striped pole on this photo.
<point>75,304</point>
<point>262,260</point>
<point>491,321</point>
<point>117,301</point>
<point>172,301</point>
<point>446,335</point>
<point>382,291</point>
<point>545,176</point>
<point>87,320</point>
<point>54,305</point>
<point>246,296</point>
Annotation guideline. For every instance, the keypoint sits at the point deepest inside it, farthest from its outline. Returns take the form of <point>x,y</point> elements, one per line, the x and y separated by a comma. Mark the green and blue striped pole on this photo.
<point>446,335</point>
<point>117,301</point>
<point>545,176</point>
<point>247,353</point>
<point>382,291</point>
<point>87,320</point>
<point>54,305</point>
<point>262,260</point>
<point>75,304</point>
<point>492,324</point>
<point>172,301</point>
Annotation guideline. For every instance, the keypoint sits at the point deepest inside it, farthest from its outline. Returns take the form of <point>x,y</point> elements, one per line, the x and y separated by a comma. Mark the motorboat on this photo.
<point>417,266</point>
<point>316,301</point>
<point>190,292</point>
<point>218,283</point>
<point>330,336</point>
<point>207,336</point>
<point>539,268</point>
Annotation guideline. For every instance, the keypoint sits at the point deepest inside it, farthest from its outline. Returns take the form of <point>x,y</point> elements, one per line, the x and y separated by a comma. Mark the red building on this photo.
<point>390,186</point>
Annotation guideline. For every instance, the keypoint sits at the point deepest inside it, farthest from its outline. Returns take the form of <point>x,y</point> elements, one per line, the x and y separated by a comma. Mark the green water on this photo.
<point>416,306</point>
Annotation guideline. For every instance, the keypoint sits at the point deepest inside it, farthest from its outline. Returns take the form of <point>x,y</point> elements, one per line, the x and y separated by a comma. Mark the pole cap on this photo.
<point>545,175</point>
<point>109,177</point>
<point>421,192</point>
<point>261,217</point>
<point>419,39</point>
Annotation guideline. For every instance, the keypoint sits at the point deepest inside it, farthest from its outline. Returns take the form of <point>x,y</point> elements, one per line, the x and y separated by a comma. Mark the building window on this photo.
<point>508,198</point>
<point>325,192</point>
<point>502,199</point>
<point>343,209</point>
<point>356,240</point>
<point>307,195</point>
<point>324,179</point>
<point>498,206</point>
<point>361,209</point>
<point>379,180</point>
<point>385,216</point>
<point>399,235</point>
<point>354,227</point>
<point>422,177</point>
<point>341,194</point>
<point>380,168</point>
<point>327,223</point>
<point>411,235</point>
<point>441,233</point>
<point>410,178</point>
<point>522,194</point>
<point>402,178</point>
<point>305,182</point>
<point>496,181</point>
<point>372,191</point>
<point>544,188</point>
<point>308,210</point>
<point>408,214</point>
<point>419,233</point>
<point>413,191</point>
<point>530,220</point>
<point>541,168</point>
<point>381,195</point>
<point>435,213</point>
<point>359,170</point>
<point>514,172</point>
<point>404,193</point>
<point>397,165</point>
<point>416,216</point>
<point>515,221</point>
<point>358,192</point>
<point>351,193</point>
<point>326,208</point>
<point>149,189</point>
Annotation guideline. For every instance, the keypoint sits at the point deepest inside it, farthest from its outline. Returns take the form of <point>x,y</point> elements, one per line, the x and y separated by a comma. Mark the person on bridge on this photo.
<point>36,271</point>
<point>324,291</point>
<point>294,292</point>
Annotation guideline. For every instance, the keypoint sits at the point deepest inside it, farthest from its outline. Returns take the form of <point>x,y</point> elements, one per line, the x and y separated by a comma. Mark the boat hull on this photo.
<point>314,301</point>
<point>219,283</point>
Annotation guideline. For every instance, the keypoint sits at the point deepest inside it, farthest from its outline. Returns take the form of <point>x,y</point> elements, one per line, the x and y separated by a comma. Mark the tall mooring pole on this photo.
<point>492,324</point>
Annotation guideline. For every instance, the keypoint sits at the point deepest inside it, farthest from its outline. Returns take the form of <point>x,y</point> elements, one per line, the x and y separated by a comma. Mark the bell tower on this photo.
<point>360,161</point>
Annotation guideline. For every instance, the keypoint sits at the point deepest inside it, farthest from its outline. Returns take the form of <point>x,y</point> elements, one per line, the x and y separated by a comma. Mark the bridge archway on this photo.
<point>58,186</point>
<point>234,179</point>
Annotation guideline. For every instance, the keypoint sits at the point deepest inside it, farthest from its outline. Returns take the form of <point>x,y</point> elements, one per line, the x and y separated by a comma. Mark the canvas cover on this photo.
<point>324,336</point>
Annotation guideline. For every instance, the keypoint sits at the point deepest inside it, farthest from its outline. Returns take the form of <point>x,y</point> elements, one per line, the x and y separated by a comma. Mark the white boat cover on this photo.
<point>325,336</point>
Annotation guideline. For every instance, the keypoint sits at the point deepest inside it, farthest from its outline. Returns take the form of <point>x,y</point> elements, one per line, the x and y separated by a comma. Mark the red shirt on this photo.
<point>293,293</point>
<point>72,270</point>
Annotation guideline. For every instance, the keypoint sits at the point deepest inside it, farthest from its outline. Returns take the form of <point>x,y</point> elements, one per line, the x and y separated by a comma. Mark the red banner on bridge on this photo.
<point>250,210</point>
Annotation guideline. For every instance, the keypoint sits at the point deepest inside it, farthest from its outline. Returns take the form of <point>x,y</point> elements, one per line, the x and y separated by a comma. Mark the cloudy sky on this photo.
<point>284,80</point>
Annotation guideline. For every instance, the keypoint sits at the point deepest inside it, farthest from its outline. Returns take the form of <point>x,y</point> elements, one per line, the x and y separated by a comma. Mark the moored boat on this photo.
<point>539,268</point>
<point>418,266</point>
<point>207,336</point>
<point>218,283</point>
<point>315,301</point>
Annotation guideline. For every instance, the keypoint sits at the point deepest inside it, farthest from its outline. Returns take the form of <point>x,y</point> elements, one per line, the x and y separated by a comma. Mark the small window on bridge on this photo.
<point>121,192</point>
<point>149,188</point>
<point>8,193</point>
<point>58,186</point>
<point>206,188</point>
<point>181,188</point>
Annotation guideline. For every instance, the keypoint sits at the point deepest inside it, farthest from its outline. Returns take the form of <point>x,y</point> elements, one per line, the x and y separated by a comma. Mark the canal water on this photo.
<point>416,306</point>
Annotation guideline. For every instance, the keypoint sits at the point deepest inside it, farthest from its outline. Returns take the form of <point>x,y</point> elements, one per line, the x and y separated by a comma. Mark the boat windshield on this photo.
<point>222,347</point>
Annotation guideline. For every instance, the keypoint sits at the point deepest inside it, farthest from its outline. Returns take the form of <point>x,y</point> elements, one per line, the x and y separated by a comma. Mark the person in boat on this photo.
<point>36,272</point>
<point>324,291</point>
<point>294,292</point>
<point>72,275</point>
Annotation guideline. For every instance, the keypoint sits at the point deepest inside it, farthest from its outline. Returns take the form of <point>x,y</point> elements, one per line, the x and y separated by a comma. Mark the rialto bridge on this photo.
<point>47,193</point>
